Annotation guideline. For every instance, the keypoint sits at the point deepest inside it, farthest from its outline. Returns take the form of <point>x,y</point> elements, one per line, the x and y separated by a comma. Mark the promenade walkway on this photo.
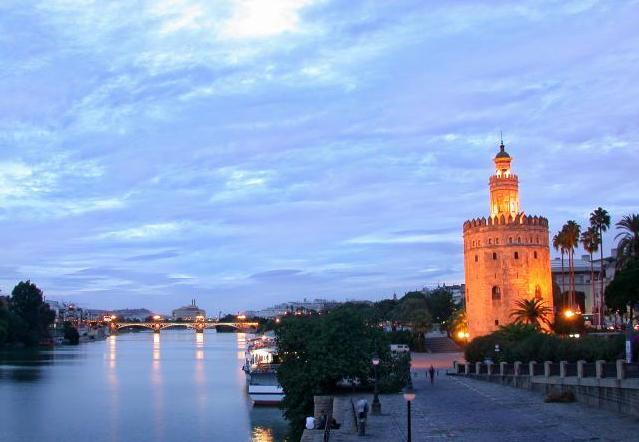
<point>469,410</point>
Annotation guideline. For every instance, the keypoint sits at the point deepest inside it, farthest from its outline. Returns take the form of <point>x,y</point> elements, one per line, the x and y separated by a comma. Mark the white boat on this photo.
<point>261,375</point>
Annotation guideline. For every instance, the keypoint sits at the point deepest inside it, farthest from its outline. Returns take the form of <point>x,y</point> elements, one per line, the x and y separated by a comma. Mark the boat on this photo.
<point>261,372</point>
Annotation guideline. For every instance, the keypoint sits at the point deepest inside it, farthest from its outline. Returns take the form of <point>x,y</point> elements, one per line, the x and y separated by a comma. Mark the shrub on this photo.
<point>521,344</point>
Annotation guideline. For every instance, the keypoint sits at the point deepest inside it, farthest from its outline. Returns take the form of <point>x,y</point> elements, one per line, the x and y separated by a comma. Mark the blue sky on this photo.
<point>248,152</point>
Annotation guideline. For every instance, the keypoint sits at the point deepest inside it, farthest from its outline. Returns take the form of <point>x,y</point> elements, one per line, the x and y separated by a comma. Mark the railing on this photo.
<point>619,369</point>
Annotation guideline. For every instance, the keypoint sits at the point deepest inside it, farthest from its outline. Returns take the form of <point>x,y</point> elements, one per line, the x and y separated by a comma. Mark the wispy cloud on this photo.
<point>153,151</point>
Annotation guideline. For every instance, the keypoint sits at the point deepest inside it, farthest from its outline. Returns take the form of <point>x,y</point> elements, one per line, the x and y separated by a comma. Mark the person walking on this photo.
<point>431,374</point>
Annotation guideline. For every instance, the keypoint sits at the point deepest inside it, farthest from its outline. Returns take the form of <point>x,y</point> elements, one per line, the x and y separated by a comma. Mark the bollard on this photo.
<point>563,365</point>
<point>599,368</point>
<point>489,367</point>
<point>456,367</point>
<point>547,365</point>
<point>517,368</point>
<point>580,369</point>
<point>621,369</point>
<point>531,368</point>
<point>502,368</point>
<point>467,368</point>
<point>477,367</point>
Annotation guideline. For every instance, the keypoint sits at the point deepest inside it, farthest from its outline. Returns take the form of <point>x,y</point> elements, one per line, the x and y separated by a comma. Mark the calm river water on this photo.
<point>177,386</point>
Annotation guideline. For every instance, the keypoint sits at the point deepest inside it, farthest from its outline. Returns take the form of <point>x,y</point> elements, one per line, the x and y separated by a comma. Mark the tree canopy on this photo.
<point>623,290</point>
<point>27,317</point>
<point>318,352</point>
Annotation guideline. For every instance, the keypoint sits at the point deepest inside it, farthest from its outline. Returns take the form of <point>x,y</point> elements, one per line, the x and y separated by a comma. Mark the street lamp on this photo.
<point>377,406</point>
<point>409,396</point>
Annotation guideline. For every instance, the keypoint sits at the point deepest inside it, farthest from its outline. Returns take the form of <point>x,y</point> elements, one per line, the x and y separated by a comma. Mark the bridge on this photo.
<point>198,326</point>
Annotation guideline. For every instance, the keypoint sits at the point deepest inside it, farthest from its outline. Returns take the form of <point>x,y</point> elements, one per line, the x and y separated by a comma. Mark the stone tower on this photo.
<point>506,256</point>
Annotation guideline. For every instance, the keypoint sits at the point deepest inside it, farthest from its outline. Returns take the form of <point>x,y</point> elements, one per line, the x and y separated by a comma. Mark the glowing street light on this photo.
<point>409,396</point>
<point>157,317</point>
<point>569,314</point>
<point>241,317</point>
<point>377,406</point>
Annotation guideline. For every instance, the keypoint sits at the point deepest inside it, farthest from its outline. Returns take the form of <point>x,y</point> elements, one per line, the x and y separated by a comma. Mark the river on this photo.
<point>174,386</point>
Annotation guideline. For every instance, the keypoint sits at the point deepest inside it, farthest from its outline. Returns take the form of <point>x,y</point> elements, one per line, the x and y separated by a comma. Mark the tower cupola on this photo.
<point>504,186</point>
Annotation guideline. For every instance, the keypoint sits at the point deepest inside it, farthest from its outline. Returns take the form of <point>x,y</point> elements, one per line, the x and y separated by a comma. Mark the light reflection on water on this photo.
<point>175,386</point>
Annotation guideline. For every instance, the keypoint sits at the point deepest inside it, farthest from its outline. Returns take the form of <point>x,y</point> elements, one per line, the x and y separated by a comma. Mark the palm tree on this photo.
<point>600,220</point>
<point>558,244</point>
<point>571,237</point>
<point>590,243</point>
<point>628,245</point>
<point>531,311</point>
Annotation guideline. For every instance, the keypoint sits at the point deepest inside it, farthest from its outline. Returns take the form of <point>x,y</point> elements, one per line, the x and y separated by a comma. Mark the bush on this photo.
<point>523,343</point>
<point>71,334</point>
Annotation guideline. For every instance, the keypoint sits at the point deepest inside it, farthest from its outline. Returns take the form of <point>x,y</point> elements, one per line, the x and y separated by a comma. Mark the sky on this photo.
<point>250,152</point>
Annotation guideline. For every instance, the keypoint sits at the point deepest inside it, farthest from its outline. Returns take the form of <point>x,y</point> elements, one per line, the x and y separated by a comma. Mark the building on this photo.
<point>506,256</point>
<point>587,300</point>
<point>188,312</point>
<point>316,305</point>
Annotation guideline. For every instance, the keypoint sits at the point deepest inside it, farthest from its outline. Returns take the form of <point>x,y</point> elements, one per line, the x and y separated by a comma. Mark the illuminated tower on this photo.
<point>506,256</point>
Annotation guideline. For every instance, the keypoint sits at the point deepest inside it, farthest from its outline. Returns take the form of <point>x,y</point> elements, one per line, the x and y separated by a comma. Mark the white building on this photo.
<point>188,312</point>
<point>585,297</point>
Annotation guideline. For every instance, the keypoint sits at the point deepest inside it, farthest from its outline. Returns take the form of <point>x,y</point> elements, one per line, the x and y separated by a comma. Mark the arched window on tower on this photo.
<point>476,258</point>
<point>494,255</point>
<point>516,255</point>
<point>496,294</point>
<point>535,254</point>
<point>538,292</point>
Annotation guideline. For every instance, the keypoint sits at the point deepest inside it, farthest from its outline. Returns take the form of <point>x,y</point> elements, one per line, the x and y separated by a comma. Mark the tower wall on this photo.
<point>505,260</point>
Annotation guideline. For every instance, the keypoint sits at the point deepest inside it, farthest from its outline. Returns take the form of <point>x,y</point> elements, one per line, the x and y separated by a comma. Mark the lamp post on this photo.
<point>377,406</point>
<point>409,396</point>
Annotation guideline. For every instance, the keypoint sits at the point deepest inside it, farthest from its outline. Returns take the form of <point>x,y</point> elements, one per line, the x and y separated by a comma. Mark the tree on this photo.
<point>531,311</point>
<point>412,312</point>
<point>571,232</point>
<point>628,245</point>
<point>558,242</point>
<point>440,304</point>
<point>459,325</point>
<point>600,220</point>
<point>71,333</point>
<point>623,291</point>
<point>590,241</point>
<point>318,352</point>
<point>27,304</point>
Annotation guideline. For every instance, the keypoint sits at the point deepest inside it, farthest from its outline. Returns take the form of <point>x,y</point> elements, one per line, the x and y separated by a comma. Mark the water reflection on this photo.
<point>199,346</point>
<point>134,387</point>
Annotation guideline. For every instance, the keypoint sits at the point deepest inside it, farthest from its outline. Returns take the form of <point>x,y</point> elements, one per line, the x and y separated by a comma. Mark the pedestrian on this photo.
<point>322,421</point>
<point>431,373</point>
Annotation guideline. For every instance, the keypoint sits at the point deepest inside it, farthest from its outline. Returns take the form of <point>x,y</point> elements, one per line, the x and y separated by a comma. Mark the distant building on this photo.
<point>132,314</point>
<point>188,312</point>
<point>457,291</point>
<point>316,305</point>
<point>589,301</point>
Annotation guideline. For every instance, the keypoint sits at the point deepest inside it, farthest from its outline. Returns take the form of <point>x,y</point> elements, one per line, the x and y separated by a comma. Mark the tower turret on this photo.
<point>504,187</point>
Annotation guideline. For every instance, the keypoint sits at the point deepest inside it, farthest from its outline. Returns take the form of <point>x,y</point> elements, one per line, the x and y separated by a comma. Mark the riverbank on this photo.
<point>472,410</point>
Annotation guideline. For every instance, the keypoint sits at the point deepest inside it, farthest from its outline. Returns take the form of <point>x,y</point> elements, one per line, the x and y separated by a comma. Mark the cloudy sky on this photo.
<point>247,152</point>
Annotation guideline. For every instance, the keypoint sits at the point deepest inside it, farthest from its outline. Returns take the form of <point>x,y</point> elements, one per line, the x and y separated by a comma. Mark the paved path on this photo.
<point>471,410</point>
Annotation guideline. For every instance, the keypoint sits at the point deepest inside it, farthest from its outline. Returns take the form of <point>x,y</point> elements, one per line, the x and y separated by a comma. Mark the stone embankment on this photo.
<point>612,386</point>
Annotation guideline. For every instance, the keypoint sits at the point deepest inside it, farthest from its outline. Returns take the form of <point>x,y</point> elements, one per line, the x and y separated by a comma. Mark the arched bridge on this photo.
<point>198,326</point>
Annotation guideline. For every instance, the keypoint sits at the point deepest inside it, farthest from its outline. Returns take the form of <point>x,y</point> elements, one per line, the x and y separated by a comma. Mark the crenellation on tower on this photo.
<point>506,255</point>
